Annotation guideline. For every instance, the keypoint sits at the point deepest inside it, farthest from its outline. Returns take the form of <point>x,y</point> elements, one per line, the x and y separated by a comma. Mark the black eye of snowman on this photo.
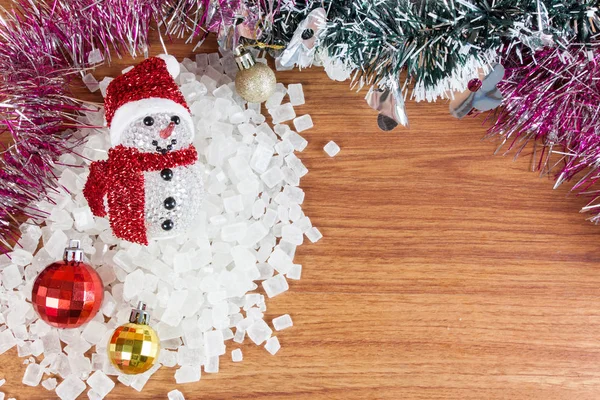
<point>148,121</point>
<point>175,119</point>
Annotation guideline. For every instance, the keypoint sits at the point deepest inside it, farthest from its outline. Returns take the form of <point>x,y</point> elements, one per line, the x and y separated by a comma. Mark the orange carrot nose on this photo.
<point>168,131</point>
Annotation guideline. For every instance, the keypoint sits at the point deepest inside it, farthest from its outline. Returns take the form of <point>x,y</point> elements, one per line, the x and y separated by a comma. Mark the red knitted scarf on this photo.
<point>121,180</point>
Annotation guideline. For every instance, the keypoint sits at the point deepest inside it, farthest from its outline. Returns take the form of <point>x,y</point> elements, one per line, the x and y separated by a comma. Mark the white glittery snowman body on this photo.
<point>173,197</point>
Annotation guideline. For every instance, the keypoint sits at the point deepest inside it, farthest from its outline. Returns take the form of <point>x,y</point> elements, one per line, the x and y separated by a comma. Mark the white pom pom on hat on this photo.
<point>172,64</point>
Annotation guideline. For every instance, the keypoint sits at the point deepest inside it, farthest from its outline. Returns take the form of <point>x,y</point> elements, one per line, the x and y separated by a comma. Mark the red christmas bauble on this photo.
<point>67,294</point>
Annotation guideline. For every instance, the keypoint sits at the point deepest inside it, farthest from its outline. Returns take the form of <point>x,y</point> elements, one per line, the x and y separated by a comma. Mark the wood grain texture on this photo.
<point>445,272</point>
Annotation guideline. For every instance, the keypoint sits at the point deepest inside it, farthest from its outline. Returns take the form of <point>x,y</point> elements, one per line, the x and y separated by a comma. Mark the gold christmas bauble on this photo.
<point>255,84</point>
<point>133,348</point>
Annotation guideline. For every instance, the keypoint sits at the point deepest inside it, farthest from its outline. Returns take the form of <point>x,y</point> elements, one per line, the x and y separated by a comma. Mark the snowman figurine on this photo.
<point>151,184</point>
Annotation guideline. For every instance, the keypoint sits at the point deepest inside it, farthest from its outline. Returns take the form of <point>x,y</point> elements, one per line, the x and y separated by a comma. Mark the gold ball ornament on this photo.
<point>134,347</point>
<point>255,82</point>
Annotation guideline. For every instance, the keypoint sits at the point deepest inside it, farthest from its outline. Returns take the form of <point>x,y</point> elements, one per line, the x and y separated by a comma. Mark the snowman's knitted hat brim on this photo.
<point>147,88</point>
<point>135,110</point>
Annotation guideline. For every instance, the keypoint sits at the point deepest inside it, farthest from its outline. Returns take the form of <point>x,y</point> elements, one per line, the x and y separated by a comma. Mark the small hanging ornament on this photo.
<point>390,104</point>
<point>481,94</point>
<point>255,82</point>
<point>301,49</point>
<point>68,293</point>
<point>134,347</point>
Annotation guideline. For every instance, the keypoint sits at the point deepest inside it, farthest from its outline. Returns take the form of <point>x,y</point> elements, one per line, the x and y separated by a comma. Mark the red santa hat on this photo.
<point>148,88</point>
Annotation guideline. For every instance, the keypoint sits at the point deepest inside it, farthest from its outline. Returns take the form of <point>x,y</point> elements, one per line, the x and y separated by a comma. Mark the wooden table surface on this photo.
<point>445,272</point>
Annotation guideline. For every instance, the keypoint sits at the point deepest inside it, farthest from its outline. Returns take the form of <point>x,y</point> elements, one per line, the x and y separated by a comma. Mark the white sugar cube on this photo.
<point>297,141</point>
<point>272,177</point>
<point>282,113</point>
<point>94,332</point>
<point>167,358</point>
<point>133,284</point>
<point>239,335</point>
<point>295,272</point>
<point>104,85</point>
<point>295,212</point>
<point>51,343</point>
<point>233,232</point>
<point>175,395</point>
<point>331,149</point>
<point>272,345</point>
<point>37,347</point>
<point>189,356</point>
<point>33,375</point>
<point>256,107</point>
<point>214,59</point>
<point>182,263</point>
<point>296,165</point>
<point>304,224</point>
<point>261,157</point>
<point>91,83</point>
<point>187,77</point>
<point>84,219</point>
<point>213,73</point>
<point>280,260</point>
<point>303,123</point>
<point>296,94</point>
<point>236,355</point>
<point>11,278</point>
<point>282,322</point>
<point>187,374</point>
<point>209,83</point>
<point>284,147</point>
<point>221,128</point>
<point>92,395</point>
<point>233,204</point>
<point>213,343</point>
<point>275,100</point>
<point>201,60</point>
<point>259,331</point>
<point>188,64</point>
<point>223,91</point>
<point>258,209</point>
<point>292,234</point>
<point>56,244</point>
<point>275,285</point>
<point>247,129</point>
<point>313,234</point>
<point>255,233</point>
<point>290,177</point>
<point>100,383</point>
<point>212,365</point>
<point>70,388</point>
<point>49,384</point>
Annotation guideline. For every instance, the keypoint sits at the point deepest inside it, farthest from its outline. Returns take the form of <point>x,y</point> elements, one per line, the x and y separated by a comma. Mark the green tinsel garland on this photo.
<point>434,40</point>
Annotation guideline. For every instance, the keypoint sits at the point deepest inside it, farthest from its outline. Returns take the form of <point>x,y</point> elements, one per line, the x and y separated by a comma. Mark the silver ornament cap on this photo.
<point>139,315</point>
<point>243,58</point>
<point>73,253</point>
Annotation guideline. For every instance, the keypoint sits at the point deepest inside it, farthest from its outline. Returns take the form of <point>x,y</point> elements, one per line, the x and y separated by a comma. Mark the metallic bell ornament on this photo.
<point>68,293</point>
<point>300,50</point>
<point>134,347</point>
<point>390,104</point>
<point>482,94</point>
<point>254,82</point>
